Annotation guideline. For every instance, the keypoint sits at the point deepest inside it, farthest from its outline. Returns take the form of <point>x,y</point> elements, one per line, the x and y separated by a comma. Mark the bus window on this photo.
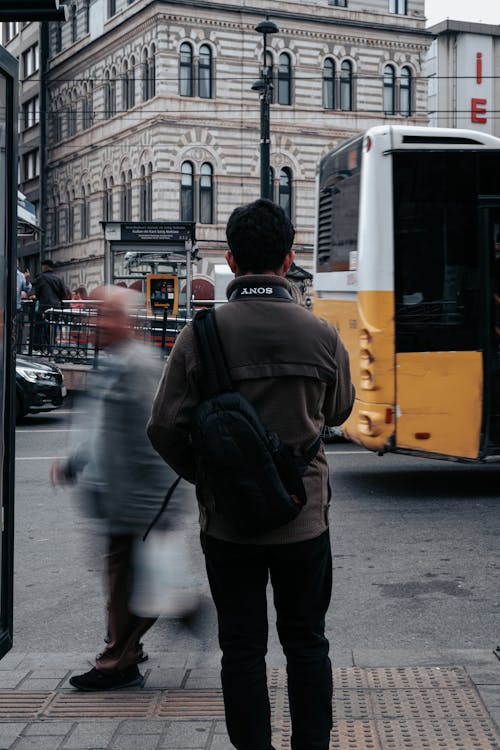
<point>338,210</point>
<point>436,253</point>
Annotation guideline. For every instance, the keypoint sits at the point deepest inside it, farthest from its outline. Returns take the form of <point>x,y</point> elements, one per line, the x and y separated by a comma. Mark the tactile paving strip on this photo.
<point>106,705</point>
<point>22,705</point>
<point>414,677</point>
<point>426,704</point>
<point>459,734</point>
<point>176,704</point>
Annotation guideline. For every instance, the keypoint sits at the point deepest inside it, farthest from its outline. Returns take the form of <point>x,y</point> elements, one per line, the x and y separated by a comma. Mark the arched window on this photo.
<point>71,113</point>
<point>405,92</point>
<point>285,79</point>
<point>329,84</point>
<point>57,36</point>
<point>206,194</point>
<point>146,193</point>
<point>70,219</point>
<point>86,13</point>
<point>149,192</point>
<point>346,86</point>
<point>152,71</point>
<point>148,73</point>
<point>125,195</point>
<point>85,213</point>
<point>131,82</point>
<point>55,219</point>
<point>107,199</point>
<point>205,72</point>
<point>389,90</point>
<point>285,191</point>
<point>186,70</point>
<point>125,86</point>
<point>187,191</point>
<point>74,24</point>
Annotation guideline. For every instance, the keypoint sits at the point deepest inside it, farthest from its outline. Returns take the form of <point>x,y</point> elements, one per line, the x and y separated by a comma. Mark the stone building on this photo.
<point>25,42</point>
<point>463,69</point>
<point>152,115</point>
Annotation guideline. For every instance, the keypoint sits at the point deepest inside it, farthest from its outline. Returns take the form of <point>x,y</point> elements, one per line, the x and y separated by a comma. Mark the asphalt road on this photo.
<point>416,548</point>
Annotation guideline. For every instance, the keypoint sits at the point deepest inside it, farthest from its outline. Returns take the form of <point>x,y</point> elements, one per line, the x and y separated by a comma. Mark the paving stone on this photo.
<point>12,678</point>
<point>186,734</point>
<point>48,728</point>
<point>220,742</point>
<point>490,694</point>
<point>208,660</point>
<point>136,742</point>
<point>91,735</point>
<point>485,675</point>
<point>44,673</point>
<point>9,732</point>
<point>45,683</point>
<point>203,678</point>
<point>39,743</point>
<point>164,678</point>
<point>142,726</point>
<point>11,660</point>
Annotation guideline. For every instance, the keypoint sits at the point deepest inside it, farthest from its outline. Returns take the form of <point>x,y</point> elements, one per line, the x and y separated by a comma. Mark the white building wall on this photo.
<point>224,131</point>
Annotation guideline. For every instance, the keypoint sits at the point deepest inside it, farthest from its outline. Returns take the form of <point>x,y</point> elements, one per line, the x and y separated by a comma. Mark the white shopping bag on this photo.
<point>163,585</point>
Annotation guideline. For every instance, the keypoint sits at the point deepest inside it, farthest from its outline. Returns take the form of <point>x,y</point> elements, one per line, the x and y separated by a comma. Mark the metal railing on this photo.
<point>71,335</point>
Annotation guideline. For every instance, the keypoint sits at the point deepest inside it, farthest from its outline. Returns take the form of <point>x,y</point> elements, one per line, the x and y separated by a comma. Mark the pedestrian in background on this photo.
<point>294,369</point>
<point>23,289</point>
<point>121,480</point>
<point>48,291</point>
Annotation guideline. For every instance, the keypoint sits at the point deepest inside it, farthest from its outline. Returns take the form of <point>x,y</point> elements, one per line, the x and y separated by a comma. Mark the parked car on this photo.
<point>39,386</point>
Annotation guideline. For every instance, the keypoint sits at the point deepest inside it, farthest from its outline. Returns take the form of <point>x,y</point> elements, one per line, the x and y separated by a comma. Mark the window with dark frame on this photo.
<point>400,7</point>
<point>186,78</point>
<point>346,86</point>
<point>206,189</point>
<point>187,191</point>
<point>405,92</point>
<point>329,83</point>
<point>205,72</point>
<point>285,191</point>
<point>389,90</point>
<point>74,24</point>
<point>285,79</point>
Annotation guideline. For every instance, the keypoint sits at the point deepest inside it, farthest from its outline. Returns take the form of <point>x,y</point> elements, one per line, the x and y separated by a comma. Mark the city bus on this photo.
<point>407,268</point>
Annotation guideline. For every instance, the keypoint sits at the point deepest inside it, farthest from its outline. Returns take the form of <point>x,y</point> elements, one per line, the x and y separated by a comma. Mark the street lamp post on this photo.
<point>264,86</point>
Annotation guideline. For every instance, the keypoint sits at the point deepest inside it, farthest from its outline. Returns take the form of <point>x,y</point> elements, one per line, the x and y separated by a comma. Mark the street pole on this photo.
<point>265,86</point>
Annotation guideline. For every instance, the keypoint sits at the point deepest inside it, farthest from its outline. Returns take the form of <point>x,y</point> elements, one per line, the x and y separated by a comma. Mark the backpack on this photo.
<point>255,481</point>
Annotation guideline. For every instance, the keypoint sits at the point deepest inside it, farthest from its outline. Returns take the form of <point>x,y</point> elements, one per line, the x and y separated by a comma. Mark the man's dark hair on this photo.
<point>49,263</point>
<point>259,236</point>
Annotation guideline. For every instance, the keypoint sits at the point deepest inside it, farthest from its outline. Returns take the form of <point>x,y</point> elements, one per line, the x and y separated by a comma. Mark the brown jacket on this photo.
<point>292,366</point>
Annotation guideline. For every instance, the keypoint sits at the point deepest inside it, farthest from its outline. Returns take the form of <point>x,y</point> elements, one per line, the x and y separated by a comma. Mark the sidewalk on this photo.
<point>383,700</point>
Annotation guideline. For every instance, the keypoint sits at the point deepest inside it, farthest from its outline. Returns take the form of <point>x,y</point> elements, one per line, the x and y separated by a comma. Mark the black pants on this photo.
<point>301,577</point>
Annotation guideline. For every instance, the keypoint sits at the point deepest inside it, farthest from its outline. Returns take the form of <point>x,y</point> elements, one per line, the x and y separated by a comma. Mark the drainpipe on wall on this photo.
<point>44,98</point>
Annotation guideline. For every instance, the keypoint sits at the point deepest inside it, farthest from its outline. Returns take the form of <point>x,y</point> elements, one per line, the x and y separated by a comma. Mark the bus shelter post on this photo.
<point>189,276</point>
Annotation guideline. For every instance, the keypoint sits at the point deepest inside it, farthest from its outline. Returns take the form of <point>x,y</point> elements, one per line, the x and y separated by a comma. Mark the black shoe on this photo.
<point>95,680</point>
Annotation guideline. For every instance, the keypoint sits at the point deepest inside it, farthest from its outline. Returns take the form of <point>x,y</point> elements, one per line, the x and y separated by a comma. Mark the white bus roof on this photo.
<point>410,136</point>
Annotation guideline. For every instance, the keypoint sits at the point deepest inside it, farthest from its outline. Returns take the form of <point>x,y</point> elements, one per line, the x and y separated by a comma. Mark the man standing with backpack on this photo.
<point>294,371</point>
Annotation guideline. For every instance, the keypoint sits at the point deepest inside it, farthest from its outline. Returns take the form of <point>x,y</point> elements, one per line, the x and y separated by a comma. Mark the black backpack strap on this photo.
<point>218,379</point>
<point>166,500</point>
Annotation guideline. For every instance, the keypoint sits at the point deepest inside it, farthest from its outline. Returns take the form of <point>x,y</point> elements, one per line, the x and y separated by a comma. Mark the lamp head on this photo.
<point>266,27</point>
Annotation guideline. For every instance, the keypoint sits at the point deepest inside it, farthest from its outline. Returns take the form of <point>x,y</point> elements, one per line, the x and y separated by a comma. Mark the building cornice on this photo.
<point>111,41</point>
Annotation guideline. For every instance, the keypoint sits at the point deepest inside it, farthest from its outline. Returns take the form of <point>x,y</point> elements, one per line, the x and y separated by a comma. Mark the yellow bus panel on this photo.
<point>439,402</point>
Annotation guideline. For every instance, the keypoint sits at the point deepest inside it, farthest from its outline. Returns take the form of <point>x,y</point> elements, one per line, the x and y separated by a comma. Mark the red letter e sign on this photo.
<point>478,110</point>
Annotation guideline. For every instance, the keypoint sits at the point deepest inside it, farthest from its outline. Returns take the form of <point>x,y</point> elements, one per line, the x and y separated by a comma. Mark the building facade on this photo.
<point>152,116</point>
<point>24,41</point>
<point>463,69</point>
